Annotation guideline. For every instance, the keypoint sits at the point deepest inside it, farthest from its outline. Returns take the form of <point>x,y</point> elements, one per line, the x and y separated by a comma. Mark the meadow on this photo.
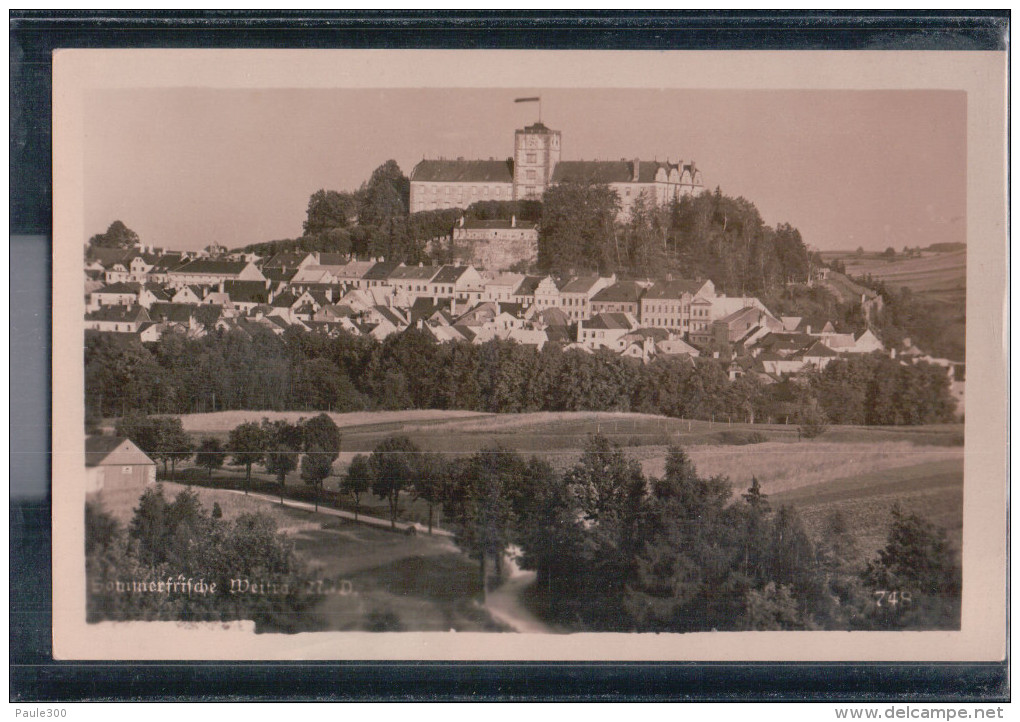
<point>374,579</point>
<point>940,276</point>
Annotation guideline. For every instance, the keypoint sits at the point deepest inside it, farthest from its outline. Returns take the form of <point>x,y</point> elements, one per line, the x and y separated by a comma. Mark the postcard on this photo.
<point>529,355</point>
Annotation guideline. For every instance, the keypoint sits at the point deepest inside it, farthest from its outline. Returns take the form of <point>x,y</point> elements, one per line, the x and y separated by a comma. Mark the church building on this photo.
<point>536,165</point>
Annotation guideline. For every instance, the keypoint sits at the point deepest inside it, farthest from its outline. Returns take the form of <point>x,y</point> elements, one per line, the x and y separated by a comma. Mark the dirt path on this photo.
<point>504,603</point>
<point>362,519</point>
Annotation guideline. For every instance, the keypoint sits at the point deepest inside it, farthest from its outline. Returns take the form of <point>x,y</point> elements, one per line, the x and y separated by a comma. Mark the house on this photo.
<point>116,473</point>
<point>413,280</point>
<point>819,355</point>
<point>460,282</point>
<point>189,294</point>
<point>524,294</point>
<point>379,274</point>
<point>289,261</point>
<point>621,297</point>
<point>741,325</point>
<point>547,293</point>
<point>204,271</point>
<point>246,295</point>
<point>352,272</point>
<point>124,293</point>
<point>667,304</point>
<point>675,346</point>
<point>117,319</point>
<point>576,295</point>
<point>866,342</point>
<point>153,293</point>
<point>606,330</point>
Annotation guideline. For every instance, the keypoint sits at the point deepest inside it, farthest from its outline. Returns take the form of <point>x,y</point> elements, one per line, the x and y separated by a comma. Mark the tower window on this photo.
<point>532,158</point>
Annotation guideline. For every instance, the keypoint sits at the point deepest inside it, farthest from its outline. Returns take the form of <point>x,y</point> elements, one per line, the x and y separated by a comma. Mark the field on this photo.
<point>939,276</point>
<point>394,581</point>
<point>781,463</point>
<point>425,583</point>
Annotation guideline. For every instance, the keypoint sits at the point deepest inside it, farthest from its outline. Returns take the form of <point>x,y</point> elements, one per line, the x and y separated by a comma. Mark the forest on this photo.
<point>302,371</point>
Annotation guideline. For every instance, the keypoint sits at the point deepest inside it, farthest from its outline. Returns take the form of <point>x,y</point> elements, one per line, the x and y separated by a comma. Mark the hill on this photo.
<point>939,276</point>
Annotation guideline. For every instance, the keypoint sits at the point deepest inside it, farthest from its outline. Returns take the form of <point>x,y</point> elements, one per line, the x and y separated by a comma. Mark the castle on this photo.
<point>535,166</point>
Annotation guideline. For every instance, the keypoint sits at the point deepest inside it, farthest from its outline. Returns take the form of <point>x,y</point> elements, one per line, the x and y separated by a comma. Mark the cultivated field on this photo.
<point>940,276</point>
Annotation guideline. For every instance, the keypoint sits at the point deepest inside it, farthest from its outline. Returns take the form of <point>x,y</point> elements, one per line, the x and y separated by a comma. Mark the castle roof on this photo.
<point>464,171</point>
<point>611,171</point>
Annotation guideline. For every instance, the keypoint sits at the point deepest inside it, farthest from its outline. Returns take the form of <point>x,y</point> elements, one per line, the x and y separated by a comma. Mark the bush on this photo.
<point>812,421</point>
<point>741,438</point>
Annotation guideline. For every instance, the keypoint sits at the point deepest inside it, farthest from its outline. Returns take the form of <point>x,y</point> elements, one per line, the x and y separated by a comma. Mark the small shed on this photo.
<point>117,472</point>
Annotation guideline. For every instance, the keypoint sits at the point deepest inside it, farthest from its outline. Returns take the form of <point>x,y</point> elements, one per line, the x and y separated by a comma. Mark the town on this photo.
<point>144,293</point>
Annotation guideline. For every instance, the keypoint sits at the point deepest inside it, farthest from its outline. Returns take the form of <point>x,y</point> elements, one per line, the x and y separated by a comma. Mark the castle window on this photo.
<point>531,158</point>
<point>531,175</point>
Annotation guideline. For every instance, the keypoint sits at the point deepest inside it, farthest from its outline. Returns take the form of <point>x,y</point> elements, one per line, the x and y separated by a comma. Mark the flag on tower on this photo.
<point>536,99</point>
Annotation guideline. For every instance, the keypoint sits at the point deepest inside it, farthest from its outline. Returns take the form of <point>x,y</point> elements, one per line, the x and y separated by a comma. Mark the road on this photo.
<point>329,511</point>
<point>505,605</point>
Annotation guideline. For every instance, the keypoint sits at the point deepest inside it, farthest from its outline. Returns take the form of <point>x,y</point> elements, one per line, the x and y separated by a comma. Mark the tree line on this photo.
<point>278,445</point>
<point>613,550</point>
<point>302,371</point>
<point>178,561</point>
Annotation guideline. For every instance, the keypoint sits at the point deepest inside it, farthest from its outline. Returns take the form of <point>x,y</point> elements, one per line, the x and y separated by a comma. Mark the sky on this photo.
<point>186,167</point>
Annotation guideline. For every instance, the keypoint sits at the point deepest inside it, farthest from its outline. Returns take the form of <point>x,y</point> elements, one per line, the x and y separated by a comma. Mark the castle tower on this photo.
<point>536,153</point>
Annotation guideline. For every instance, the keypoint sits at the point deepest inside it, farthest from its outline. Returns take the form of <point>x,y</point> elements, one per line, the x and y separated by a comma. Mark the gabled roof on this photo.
<point>463,171</point>
<point>287,259</point>
<point>620,292</point>
<point>580,284</point>
<point>497,224</point>
<point>528,286</point>
<point>158,291</point>
<point>114,451</point>
<point>279,276</point>
<point>609,321</point>
<point>612,171</point>
<point>819,349</point>
<point>414,273</point>
<point>246,291</point>
<point>120,288</point>
<point>381,271</point>
<point>118,313</point>
<point>174,312</point>
<point>206,266</point>
<point>332,259</point>
<point>389,315</point>
<point>450,274</point>
<point>552,316</point>
<point>284,300</point>
<point>673,289</point>
<point>109,256</point>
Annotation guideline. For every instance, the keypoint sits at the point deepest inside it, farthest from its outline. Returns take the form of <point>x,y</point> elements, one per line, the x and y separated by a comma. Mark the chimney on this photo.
<point>513,221</point>
<point>635,169</point>
<point>461,222</point>
<point>221,287</point>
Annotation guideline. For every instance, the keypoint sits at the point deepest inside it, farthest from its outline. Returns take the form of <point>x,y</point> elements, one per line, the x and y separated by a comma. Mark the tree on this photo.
<point>207,314</point>
<point>358,480</point>
<point>812,420</point>
<point>283,445</point>
<point>578,228</point>
<point>385,196</point>
<point>210,454</point>
<point>247,444</point>
<point>117,236</point>
<point>328,211</point>
<point>395,464</point>
<point>428,485</point>
<point>320,438</point>
<point>915,579</point>
<point>316,465</point>
<point>889,252</point>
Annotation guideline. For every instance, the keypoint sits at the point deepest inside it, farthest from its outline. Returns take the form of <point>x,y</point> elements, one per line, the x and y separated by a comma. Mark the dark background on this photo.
<point>34,675</point>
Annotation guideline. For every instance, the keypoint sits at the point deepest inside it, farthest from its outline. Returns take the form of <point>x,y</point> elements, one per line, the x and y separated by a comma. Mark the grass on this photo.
<point>376,580</point>
<point>933,489</point>
<point>783,467</point>
<point>936,275</point>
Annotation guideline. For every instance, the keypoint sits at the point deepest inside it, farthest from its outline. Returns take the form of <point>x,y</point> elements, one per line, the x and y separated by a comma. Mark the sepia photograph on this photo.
<point>506,355</point>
